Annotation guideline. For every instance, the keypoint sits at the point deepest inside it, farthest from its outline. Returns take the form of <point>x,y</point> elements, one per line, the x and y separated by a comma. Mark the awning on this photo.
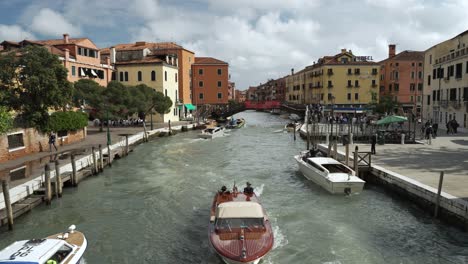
<point>190,106</point>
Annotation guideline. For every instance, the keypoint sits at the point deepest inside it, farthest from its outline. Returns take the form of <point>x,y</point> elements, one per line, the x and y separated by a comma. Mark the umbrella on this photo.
<point>391,119</point>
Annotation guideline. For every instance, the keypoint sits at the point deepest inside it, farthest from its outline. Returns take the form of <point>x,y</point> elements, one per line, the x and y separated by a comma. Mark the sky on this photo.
<point>260,39</point>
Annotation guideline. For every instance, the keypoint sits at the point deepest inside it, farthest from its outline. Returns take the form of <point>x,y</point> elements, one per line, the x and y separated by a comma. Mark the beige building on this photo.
<point>446,81</point>
<point>348,81</point>
<point>137,65</point>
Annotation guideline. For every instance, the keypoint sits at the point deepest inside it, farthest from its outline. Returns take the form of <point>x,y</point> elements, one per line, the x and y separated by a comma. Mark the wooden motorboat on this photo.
<point>290,127</point>
<point>239,229</point>
<point>237,123</point>
<point>332,175</point>
<point>62,248</point>
<point>211,132</point>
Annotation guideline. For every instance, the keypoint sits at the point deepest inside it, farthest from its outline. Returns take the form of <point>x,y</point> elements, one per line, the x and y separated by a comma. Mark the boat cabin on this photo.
<point>36,251</point>
<point>237,215</point>
<point>328,165</point>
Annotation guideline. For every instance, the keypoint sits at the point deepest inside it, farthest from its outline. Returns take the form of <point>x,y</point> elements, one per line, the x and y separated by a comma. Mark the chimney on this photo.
<point>112,55</point>
<point>343,50</point>
<point>140,43</point>
<point>391,50</point>
<point>65,38</point>
<point>292,71</point>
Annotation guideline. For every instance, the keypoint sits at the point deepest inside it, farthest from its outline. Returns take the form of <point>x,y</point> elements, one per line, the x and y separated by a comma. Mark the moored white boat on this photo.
<point>290,127</point>
<point>330,174</point>
<point>62,248</point>
<point>212,132</point>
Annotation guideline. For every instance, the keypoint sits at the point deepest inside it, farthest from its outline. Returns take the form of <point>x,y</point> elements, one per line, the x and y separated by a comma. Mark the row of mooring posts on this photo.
<point>96,167</point>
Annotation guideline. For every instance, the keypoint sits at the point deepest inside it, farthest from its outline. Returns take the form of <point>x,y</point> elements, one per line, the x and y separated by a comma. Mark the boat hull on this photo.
<point>230,261</point>
<point>211,136</point>
<point>344,187</point>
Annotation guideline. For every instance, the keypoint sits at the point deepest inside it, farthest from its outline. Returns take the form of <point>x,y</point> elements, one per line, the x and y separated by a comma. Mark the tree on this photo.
<point>162,104</point>
<point>87,92</point>
<point>386,104</point>
<point>33,83</point>
<point>6,120</point>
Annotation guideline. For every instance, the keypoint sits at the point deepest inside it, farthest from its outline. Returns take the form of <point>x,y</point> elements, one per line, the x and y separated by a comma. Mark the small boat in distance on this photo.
<point>290,127</point>
<point>62,248</point>
<point>211,132</point>
<point>236,123</point>
<point>275,111</point>
<point>239,229</point>
<point>329,173</point>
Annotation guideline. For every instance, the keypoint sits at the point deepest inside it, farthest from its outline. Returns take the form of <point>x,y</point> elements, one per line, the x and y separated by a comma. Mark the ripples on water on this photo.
<point>153,207</point>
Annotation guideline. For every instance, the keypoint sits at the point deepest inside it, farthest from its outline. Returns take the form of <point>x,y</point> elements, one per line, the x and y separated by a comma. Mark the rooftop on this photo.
<point>208,60</point>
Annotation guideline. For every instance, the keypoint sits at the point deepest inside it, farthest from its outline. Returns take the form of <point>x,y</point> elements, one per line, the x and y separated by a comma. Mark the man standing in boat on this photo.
<point>248,189</point>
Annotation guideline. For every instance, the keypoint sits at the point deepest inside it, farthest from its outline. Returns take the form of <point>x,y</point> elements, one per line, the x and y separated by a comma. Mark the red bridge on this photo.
<point>262,105</point>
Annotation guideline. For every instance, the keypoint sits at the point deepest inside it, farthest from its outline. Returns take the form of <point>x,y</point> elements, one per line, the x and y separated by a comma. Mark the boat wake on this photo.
<point>259,190</point>
<point>280,239</point>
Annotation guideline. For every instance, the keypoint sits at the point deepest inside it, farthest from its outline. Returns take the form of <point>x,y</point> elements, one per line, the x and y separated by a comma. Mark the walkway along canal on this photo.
<point>153,206</point>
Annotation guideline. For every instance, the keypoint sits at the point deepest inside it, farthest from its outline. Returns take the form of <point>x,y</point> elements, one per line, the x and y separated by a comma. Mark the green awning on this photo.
<point>190,106</point>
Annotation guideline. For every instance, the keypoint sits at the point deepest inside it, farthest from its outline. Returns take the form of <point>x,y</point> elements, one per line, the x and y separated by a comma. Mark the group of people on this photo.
<point>430,129</point>
<point>249,190</point>
<point>120,122</point>
<point>452,126</point>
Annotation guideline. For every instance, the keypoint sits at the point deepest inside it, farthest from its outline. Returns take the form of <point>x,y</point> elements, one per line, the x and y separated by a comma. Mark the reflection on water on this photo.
<point>153,207</point>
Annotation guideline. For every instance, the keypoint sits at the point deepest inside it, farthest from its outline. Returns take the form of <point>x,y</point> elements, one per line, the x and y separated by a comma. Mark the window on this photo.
<point>420,86</point>
<point>121,76</point>
<point>344,60</point>
<point>411,98</point>
<point>429,80</point>
<point>450,71</point>
<point>420,64</point>
<point>374,71</point>
<point>466,68</point>
<point>356,96</point>
<point>165,92</point>
<point>200,83</point>
<point>176,77</point>
<point>429,100</point>
<point>430,59</point>
<point>350,71</point>
<point>330,85</point>
<point>349,96</point>
<point>356,83</point>
<point>458,71</point>
<point>153,75</point>
<point>433,95</point>
<point>330,96</point>
<point>412,64</point>
<point>200,71</point>
<point>219,83</point>
<point>373,83</point>
<point>465,94</point>
<point>15,141</point>
<point>357,71</point>
<point>390,87</point>
<point>73,70</point>
<point>434,73</point>
<point>412,75</point>
<point>411,87</point>
<point>139,76</point>
<point>220,95</point>
<point>397,87</point>
<point>349,83</point>
<point>219,71</point>
<point>126,76</point>
<point>397,64</point>
<point>113,76</point>
<point>397,75</point>
<point>165,76</point>
<point>453,94</point>
<point>330,71</point>
<point>200,96</point>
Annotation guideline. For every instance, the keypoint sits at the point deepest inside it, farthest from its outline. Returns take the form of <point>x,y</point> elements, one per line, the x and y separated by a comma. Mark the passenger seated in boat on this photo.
<point>248,189</point>
<point>223,189</point>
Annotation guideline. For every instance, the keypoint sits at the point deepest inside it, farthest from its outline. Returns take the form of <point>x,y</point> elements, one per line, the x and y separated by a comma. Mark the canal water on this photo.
<point>153,207</point>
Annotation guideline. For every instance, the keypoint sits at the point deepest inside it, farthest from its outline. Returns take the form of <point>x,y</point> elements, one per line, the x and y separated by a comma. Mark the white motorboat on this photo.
<point>62,248</point>
<point>212,132</point>
<point>290,127</point>
<point>329,173</point>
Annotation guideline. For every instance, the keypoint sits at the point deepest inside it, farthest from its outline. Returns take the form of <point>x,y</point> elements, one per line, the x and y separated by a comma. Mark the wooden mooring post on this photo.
<point>58,180</point>
<point>439,191</point>
<point>347,155</point>
<point>74,181</point>
<point>335,150</point>
<point>95,166</point>
<point>356,161</point>
<point>101,159</point>
<point>48,185</point>
<point>6,197</point>
<point>294,132</point>
<point>109,156</point>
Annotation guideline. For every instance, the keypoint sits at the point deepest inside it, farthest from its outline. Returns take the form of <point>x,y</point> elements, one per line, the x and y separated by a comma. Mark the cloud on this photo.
<point>14,33</point>
<point>50,23</point>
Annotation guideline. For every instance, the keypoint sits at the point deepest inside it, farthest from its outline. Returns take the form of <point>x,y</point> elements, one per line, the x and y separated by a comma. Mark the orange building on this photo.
<point>240,96</point>
<point>80,56</point>
<point>401,76</point>
<point>210,81</point>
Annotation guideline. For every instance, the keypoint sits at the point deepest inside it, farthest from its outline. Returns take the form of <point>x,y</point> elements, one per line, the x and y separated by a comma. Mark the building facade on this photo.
<point>185,59</point>
<point>240,96</point>
<point>401,77</point>
<point>446,81</point>
<point>347,81</point>
<point>210,78</point>
<point>231,90</point>
<point>80,56</point>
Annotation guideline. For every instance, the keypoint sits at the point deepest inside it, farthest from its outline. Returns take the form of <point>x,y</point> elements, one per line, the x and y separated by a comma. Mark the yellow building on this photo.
<point>349,82</point>
<point>157,72</point>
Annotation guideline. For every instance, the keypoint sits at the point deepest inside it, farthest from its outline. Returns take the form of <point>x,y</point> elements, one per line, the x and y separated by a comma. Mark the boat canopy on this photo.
<point>239,210</point>
<point>30,251</point>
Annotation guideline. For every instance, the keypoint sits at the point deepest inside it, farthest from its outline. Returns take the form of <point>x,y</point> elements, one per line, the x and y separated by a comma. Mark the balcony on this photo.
<point>455,104</point>
<point>350,73</point>
<point>373,85</point>
<point>329,72</point>
<point>349,86</point>
<point>330,86</point>
<point>357,73</point>
<point>374,72</point>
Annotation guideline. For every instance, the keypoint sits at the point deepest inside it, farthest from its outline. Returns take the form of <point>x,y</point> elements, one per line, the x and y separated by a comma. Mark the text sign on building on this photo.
<point>363,58</point>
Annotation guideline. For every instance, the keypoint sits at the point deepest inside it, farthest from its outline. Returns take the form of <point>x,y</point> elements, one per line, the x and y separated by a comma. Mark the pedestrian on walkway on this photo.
<point>52,138</point>
<point>434,129</point>
<point>373,142</point>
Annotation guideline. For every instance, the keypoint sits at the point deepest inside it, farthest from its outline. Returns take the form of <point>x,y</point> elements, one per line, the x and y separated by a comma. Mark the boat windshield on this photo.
<point>337,168</point>
<point>229,223</point>
<point>61,254</point>
<point>209,130</point>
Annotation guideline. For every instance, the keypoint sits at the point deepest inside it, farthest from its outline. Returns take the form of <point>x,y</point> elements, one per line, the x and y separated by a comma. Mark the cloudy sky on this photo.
<point>260,39</point>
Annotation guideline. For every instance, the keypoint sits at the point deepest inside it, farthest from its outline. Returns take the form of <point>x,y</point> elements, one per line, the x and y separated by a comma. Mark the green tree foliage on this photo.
<point>87,92</point>
<point>386,104</point>
<point>33,83</point>
<point>67,121</point>
<point>162,104</point>
<point>6,120</point>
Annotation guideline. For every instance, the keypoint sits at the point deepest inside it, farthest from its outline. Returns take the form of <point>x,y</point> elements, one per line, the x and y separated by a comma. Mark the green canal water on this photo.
<point>153,207</point>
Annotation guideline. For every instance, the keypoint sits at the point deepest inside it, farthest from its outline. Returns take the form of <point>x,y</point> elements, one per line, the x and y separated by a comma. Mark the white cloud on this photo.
<point>50,23</point>
<point>13,33</point>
